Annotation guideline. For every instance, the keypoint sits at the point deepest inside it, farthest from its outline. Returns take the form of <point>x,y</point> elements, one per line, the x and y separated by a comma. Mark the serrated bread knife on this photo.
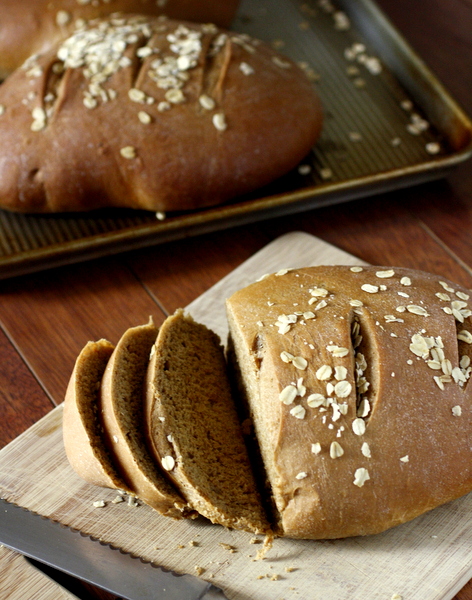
<point>78,555</point>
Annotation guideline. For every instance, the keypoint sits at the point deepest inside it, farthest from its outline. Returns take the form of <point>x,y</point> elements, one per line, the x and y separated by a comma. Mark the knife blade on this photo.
<point>97,563</point>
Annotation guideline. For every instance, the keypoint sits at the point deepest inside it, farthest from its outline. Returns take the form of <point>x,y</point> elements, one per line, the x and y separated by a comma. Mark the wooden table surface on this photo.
<point>46,318</point>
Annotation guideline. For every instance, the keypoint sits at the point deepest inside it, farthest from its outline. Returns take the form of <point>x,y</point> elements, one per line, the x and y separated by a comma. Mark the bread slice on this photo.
<point>82,428</point>
<point>121,403</point>
<point>193,428</point>
<point>357,381</point>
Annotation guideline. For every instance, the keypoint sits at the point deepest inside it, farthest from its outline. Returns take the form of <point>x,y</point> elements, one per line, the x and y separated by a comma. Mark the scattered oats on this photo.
<point>364,408</point>
<point>219,121</point>
<point>406,104</point>
<point>326,173</point>
<point>335,450</point>
<point>358,426</point>
<point>298,412</point>
<point>316,400</point>
<point>199,570</point>
<point>304,169</point>
<point>447,287</point>
<point>342,389</point>
<point>433,148</point>
<point>447,310</point>
<point>457,411</point>
<point>174,96</point>
<point>324,373</point>
<point>356,269</point>
<point>128,152</point>
<point>357,303</point>
<point>465,336</point>
<point>63,17</point>
<point>117,499</point>
<point>439,382</point>
<point>283,64</point>
<point>160,215</point>
<point>99,504</point>
<point>300,363</point>
<point>355,136</point>
<point>396,597</point>
<point>246,69</point>
<point>337,351</point>
<point>136,95</point>
<point>361,476</point>
<point>316,448</point>
<point>168,463</point>
<point>395,142</point>
<point>400,309</point>
<point>2,109</point>
<point>144,117</point>
<point>309,315</point>
<point>132,501</point>
<point>462,295</point>
<point>365,449</point>
<point>206,102</point>
<point>163,106</point>
<point>341,21</point>
<point>371,289</point>
<point>288,394</point>
<point>405,458</point>
<point>385,274</point>
<point>417,310</point>
<point>340,373</point>
<point>403,294</point>
<point>405,281</point>
<point>301,475</point>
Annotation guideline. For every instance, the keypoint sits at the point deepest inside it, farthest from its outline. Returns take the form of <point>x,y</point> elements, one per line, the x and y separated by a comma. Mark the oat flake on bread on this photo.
<point>151,113</point>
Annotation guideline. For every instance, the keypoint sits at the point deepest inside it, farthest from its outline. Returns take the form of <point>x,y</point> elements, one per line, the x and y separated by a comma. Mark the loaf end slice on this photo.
<point>121,403</point>
<point>193,427</point>
<point>82,428</point>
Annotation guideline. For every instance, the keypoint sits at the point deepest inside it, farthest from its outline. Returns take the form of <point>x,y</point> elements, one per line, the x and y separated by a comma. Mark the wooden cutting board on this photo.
<point>429,558</point>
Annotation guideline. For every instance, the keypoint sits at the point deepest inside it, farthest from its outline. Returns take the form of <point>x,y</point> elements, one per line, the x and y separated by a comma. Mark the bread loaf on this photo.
<point>83,437</point>
<point>357,382</point>
<point>151,114</point>
<point>30,27</point>
<point>193,428</point>
<point>121,404</point>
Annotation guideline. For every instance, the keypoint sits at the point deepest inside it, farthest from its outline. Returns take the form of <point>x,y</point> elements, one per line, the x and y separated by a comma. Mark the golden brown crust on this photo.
<point>29,27</point>
<point>82,430</point>
<point>206,132</point>
<point>122,415</point>
<point>338,466</point>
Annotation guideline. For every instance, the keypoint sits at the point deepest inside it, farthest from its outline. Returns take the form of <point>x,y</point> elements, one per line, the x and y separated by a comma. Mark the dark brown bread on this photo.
<point>30,27</point>
<point>151,114</point>
<point>121,405</point>
<point>193,427</point>
<point>357,380</point>
<point>82,428</point>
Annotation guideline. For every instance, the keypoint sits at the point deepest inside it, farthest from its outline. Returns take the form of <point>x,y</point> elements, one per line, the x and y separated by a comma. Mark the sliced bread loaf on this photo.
<point>358,384</point>
<point>121,403</point>
<point>82,429</point>
<point>193,427</point>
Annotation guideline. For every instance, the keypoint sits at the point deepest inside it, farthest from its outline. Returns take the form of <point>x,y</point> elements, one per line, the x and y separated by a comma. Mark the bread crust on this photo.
<point>82,428</point>
<point>208,132</point>
<point>339,467</point>
<point>30,27</point>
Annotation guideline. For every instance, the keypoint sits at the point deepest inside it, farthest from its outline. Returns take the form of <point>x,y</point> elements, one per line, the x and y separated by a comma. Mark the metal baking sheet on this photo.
<point>389,123</point>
